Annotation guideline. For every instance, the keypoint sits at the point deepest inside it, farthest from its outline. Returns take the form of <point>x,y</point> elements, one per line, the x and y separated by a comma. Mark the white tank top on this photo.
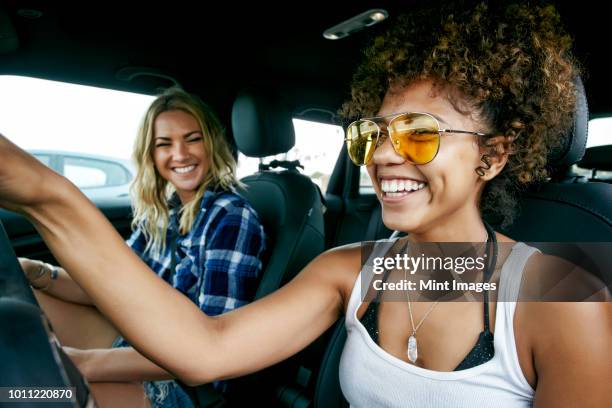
<point>371,377</point>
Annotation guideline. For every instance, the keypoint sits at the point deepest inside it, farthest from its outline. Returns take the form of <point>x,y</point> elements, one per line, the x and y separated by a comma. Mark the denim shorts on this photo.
<point>161,394</point>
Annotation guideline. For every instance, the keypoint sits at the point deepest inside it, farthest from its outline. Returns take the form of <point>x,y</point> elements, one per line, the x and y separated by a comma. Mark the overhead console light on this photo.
<point>30,14</point>
<point>354,24</point>
<point>154,76</point>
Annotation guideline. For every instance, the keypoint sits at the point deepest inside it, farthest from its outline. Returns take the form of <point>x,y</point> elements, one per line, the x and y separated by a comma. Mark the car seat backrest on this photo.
<point>597,159</point>
<point>288,203</point>
<point>560,211</point>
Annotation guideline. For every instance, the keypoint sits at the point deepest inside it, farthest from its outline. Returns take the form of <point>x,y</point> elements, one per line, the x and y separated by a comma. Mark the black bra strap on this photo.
<point>488,273</point>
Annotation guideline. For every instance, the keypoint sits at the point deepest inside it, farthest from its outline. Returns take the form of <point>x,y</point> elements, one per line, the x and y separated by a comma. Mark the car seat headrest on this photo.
<point>573,149</point>
<point>262,125</point>
<point>597,158</point>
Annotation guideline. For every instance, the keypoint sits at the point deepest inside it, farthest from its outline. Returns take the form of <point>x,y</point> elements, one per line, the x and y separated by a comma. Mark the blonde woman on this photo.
<point>184,204</point>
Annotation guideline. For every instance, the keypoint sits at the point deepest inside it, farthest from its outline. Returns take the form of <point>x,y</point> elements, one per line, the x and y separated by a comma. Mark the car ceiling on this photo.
<point>216,49</point>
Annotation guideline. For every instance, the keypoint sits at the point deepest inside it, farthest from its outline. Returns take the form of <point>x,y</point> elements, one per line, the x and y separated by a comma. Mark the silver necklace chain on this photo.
<point>412,350</point>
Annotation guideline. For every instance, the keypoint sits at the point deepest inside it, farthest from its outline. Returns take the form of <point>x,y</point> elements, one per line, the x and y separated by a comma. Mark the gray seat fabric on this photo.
<point>555,211</point>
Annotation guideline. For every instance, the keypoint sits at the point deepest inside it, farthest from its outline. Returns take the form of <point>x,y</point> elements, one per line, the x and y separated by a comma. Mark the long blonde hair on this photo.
<point>150,192</point>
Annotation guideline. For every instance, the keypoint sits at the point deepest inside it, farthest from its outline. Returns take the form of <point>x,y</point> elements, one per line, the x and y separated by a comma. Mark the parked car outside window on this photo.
<point>98,177</point>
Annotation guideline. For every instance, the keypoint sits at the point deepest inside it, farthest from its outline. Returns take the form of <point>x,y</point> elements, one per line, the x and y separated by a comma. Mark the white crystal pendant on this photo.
<point>413,353</point>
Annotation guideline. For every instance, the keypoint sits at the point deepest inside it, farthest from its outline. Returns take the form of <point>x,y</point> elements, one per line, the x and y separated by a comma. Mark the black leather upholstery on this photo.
<point>598,158</point>
<point>573,149</point>
<point>327,392</point>
<point>288,203</point>
<point>376,228</point>
<point>290,207</point>
<point>565,212</point>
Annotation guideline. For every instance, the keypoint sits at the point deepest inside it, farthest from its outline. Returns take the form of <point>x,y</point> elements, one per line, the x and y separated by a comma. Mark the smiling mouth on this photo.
<point>395,188</point>
<point>184,170</point>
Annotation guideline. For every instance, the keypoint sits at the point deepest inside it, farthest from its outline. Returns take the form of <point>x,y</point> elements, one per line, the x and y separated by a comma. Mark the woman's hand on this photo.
<point>32,269</point>
<point>82,359</point>
<point>122,364</point>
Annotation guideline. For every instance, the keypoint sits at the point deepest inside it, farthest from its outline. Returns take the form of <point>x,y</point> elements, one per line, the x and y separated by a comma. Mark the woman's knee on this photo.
<point>119,395</point>
<point>77,325</point>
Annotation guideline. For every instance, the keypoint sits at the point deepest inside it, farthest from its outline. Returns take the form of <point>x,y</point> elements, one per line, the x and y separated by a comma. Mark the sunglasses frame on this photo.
<point>379,141</point>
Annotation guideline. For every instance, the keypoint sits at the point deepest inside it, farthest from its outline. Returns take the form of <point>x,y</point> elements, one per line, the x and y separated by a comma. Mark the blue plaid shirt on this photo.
<point>218,266</point>
<point>218,262</point>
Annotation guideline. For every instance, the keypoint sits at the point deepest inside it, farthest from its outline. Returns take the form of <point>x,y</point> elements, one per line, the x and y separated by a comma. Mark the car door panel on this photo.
<point>27,242</point>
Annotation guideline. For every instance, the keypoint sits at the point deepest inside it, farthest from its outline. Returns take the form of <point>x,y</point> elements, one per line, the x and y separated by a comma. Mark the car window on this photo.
<point>71,128</point>
<point>600,132</point>
<point>317,146</point>
<point>44,159</point>
<point>365,182</point>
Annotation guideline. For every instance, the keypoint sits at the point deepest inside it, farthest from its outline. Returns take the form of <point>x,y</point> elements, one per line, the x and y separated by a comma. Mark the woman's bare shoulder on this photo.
<point>552,278</point>
<point>503,238</point>
<point>341,265</point>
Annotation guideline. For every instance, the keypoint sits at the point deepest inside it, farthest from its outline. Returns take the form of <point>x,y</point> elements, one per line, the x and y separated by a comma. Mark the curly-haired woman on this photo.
<point>190,228</point>
<point>455,109</point>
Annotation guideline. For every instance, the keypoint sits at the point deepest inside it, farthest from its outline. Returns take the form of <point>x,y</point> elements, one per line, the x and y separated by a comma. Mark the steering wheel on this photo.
<point>29,350</point>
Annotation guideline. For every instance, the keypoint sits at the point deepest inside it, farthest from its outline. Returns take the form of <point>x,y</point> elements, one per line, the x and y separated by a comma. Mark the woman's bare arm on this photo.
<point>159,322</point>
<point>571,353</point>
<point>123,364</point>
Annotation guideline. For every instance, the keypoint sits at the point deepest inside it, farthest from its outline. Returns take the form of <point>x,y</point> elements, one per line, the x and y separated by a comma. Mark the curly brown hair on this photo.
<point>512,65</point>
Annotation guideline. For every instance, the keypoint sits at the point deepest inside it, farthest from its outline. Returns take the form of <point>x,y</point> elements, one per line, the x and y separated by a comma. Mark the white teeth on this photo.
<point>183,170</point>
<point>403,193</point>
<point>395,186</point>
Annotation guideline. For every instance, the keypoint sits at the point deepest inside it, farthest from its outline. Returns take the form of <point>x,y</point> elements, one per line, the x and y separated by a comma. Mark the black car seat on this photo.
<point>566,212</point>
<point>289,204</point>
<point>597,158</point>
<point>562,212</point>
<point>290,208</point>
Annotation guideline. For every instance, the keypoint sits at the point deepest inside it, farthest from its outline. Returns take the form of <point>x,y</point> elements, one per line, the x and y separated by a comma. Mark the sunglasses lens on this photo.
<point>415,137</point>
<point>361,138</point>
